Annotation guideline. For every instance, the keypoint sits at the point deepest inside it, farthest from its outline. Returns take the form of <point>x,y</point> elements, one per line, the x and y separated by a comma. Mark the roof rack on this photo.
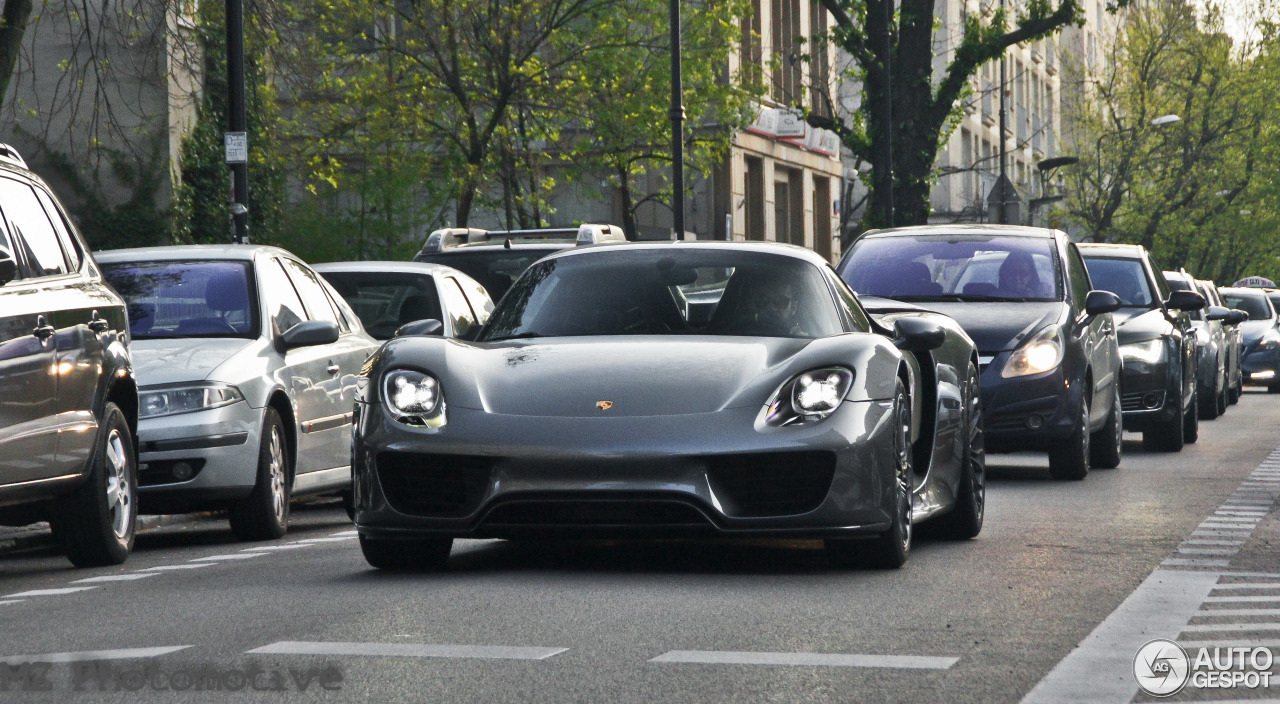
<point>10,154</point>
<point>458,236</point>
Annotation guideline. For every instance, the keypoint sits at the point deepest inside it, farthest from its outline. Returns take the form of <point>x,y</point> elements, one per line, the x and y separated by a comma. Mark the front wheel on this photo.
<point>1069,458</point>
<point>1107,445</point>
<point>1191,421</point>
<point>965,520</point>
<point>264,513</point>
<point>95,524</point>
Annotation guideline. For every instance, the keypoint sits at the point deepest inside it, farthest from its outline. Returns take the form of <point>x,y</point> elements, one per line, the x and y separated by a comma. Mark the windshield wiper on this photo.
<point>518,336</point>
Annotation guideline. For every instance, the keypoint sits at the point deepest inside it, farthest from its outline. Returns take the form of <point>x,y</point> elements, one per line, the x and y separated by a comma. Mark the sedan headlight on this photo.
<point>1041,353</point>
<point>187,398</point>
<point>809,397</point>
<point>413,398</point>
<point>1150,351</point>
<point>1270,340</point>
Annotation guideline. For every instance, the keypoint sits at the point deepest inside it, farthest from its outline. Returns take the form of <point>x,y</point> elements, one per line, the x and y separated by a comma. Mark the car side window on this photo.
<point>312,292</point>
<point>69,244</point>
<point>457,307</point>
<point>284,308</point>
<point>479,299</point>
<point>1079,277</point>
<point>849,302</point>
<point>32,228</point>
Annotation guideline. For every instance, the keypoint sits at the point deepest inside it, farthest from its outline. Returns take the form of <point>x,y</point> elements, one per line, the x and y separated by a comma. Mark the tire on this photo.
<point>417,554</point>
<point>1222,400</point>
<point>1207,407</point>
<point>1233,394</point>
<point>1106,447</point>
<point>890,549</point>
<point>1191,422</point>
<point>95,525</point>
<point>965,520</point>
<point>348,503</point>
<point>264,513</point>
<point>1069,458</point>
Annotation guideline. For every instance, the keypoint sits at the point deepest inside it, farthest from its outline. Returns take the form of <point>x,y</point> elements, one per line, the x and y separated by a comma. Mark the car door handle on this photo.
<point>333,368</point>
<point>97,324</point>
<point>43,329</point>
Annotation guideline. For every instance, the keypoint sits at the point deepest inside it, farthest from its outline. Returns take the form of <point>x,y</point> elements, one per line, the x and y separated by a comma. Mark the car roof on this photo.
<point>789,250</point>
<point>429,268</point>
<point>965,229</point>
<point>245,252</point>
<point>1111,249</point>
<point>1242,290</point>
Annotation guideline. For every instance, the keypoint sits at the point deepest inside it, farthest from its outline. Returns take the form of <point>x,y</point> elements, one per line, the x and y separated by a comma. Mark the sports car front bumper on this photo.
<point>725,473</point>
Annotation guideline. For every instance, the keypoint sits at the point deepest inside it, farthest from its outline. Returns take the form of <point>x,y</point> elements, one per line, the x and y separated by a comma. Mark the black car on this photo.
<point>496,258</point>
<point>1212,372</point>
<point>68,400</point>
<point>1157,343</point>
<point>1049,360</point>
<point>1260,351</point>
<point>1234,338</point>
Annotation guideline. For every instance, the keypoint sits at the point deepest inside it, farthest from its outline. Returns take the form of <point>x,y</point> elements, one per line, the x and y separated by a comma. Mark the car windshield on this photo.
<point>954,268</point>
<point>1127,278</point>
<point>1255,304</point>
<point>385,300</point>
<point>661,292</point>
<point>496,269</point>
<point>171,299</point>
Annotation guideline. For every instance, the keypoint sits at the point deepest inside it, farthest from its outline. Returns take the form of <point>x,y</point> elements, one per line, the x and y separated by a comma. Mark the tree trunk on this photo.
<point>624,194</point>
<point>13,25</point>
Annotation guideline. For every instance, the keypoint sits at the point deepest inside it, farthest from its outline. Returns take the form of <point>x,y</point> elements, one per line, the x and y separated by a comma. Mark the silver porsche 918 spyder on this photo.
<point>667,390</point>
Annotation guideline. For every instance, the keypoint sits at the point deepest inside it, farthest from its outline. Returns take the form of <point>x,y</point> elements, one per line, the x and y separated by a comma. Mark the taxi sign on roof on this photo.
<point>1255,282</point>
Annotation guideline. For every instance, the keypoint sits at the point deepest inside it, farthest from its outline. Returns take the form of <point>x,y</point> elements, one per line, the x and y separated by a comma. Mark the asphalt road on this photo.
<point>980,621</point>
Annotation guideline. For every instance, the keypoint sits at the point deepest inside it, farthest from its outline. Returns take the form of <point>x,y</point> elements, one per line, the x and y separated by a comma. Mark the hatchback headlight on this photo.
<point>809,397</point>
<point>413,398</point>
<point>1270,340</point>
<point>161,401</point>
<point>1041,353</point>
<point>1149,352</point>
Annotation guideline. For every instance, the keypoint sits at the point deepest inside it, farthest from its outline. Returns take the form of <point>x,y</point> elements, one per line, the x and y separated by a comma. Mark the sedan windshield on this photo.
<point>661,292</point>
<point>385,300</point>
<point>1255,304</point>
<point>954,268</point>
<point>186,298</point>
<point>1127,278</point>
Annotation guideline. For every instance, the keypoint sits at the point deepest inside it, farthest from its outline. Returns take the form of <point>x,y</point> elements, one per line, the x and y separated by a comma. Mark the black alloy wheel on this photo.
<point>1069,457</point>
<point>965,520</point>
<point>1106,448</point>
<point>1166,436</point>
<point>1191,420</point>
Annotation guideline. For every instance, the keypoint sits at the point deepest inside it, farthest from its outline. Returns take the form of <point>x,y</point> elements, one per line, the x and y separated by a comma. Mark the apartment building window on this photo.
<point>752,57</point>
<point>967,163</point>
<point>785,29</point>
<point>754,176</point>
<point>788,205</point>
<point>818,71</point>
<point>822,216</point>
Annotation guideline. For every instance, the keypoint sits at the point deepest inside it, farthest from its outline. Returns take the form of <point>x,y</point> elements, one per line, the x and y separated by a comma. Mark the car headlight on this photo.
<point>1270,340</point>
<point>809,397</point>
<point>413,398</point>
<point>1150,351</point>
<point>187,398</point>
<point>1041,353</point>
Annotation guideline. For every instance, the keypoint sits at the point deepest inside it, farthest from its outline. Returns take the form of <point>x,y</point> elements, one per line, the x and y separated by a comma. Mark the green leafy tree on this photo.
<point>915,109</point>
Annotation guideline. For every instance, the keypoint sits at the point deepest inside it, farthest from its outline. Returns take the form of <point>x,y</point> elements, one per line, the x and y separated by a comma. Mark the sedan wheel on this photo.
<point>1107,445</point>
<point>1069,458</point>
<point>264,513</point>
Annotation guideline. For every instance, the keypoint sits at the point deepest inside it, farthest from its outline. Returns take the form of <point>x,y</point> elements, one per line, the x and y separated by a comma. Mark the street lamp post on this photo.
<point>677,126</point>
<point>1161,121</point>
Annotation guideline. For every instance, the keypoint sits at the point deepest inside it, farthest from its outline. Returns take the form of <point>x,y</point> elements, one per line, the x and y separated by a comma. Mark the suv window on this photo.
<point>33,228</point>
<point>69,244</point>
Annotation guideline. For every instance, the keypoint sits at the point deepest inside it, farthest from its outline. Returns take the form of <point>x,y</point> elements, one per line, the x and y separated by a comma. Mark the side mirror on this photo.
<point>1217,313</point>
<point>1185,300</point>
<point>308,333</point>
<point>917,335</point>
<point>1235,317</point>
<point>430,326</point>
<point>8,267</point>
<point>1099,302</point>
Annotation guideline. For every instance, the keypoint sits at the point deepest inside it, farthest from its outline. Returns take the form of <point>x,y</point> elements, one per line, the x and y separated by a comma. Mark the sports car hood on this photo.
<point>177,360</point>
<point>1252,330</point>
<point>1140,324</point>
<point>634,376</point>
<point>996,327</point>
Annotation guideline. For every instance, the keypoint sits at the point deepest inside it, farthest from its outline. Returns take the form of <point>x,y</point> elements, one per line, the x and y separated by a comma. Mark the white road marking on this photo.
<point>11,601</point>
<point>1264,575</point>
<point>324,540</point>
<point>233,556</point>
<point>346,533</point>
<point>1188,562</point>
<point>1229,644</point>
<point>1233,627</point>
<point>1100,669</point>
<point>85,655</point>
<point>1241,599</point>
<point>726,657</point>
<point>1249,585</point>
<point>116,577</point>
<point>273,548</point>
<point>1197,541</point>
<point>1208,551</point>
<point>1221,533</point>
<point>1238,612</point>
<point>166,568</point>
<point>1233,519</point>
<point>406,650</point>
<point>49,592</point>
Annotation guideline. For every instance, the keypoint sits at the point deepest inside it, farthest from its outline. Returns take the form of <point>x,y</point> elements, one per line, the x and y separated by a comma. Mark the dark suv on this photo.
<point>68,400</point>
<point>496,258</point>
<point>1047,345</point>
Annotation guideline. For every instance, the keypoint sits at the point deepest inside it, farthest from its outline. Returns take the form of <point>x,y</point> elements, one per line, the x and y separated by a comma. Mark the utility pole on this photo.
<point>237,136</point>
<point>677,127</point>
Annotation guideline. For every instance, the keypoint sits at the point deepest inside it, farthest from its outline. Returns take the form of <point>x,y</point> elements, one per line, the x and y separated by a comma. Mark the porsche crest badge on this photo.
<point>604,405</point>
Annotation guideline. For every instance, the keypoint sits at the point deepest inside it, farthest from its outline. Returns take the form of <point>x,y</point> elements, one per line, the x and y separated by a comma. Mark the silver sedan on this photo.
<point>246,361</point>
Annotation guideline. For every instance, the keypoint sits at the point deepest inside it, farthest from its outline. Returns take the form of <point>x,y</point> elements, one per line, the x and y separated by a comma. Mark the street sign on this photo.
<point>237,145</point>
<point>1255,282</point>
